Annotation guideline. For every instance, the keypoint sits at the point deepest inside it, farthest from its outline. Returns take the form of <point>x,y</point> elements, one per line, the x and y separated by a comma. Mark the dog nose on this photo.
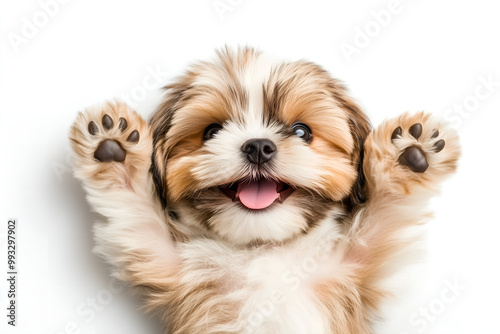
<point>258,150</point>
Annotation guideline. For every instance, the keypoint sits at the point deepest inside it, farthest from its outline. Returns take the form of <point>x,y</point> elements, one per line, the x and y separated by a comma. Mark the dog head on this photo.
<point>257,150</point>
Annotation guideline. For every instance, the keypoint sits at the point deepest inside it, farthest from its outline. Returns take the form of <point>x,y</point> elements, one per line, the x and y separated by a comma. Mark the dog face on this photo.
<point>256,150</point>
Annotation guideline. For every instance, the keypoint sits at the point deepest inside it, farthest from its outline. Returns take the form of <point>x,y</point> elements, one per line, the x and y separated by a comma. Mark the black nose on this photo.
<point>259,151</point>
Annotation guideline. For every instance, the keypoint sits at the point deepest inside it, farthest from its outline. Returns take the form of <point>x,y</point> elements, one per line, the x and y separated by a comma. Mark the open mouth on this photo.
<point>259,194</point>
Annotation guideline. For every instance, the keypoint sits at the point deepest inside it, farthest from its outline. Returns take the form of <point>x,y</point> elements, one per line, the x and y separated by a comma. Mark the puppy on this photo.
<point>258,198</point>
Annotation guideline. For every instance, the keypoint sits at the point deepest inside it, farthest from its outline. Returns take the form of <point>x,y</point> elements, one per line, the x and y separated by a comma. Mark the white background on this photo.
<point>430,55</point>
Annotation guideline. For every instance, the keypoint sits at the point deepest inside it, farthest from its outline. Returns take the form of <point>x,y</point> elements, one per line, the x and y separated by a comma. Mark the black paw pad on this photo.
<point>110,150</point>
<point>414,158</point>
<point>416,130</point>
<point>398,132</point>
<point>439,145</point>
<point>107,122</point>
<point>93,128</point>
<point>123,124</point>
<point>133,137</point>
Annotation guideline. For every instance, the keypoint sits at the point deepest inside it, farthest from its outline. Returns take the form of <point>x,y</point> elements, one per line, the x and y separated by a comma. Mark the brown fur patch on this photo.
<point>304,92</point>
<point>203,102</point>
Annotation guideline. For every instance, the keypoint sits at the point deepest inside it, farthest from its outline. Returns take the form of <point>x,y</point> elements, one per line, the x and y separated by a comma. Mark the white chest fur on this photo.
<point>272,288</point>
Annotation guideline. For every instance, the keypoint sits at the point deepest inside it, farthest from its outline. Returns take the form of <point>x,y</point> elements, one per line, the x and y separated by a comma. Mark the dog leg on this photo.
<point>113,146</point>
<point>405,160</point>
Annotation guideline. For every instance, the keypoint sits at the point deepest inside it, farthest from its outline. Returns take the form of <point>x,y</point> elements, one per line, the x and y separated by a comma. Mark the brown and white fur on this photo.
<point>205,263</point>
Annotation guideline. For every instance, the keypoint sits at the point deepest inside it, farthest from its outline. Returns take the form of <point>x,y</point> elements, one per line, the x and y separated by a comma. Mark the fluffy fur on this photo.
<point>204,262</point>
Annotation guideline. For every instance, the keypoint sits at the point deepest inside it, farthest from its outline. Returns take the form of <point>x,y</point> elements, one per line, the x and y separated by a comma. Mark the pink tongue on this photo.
<point>258,194</point>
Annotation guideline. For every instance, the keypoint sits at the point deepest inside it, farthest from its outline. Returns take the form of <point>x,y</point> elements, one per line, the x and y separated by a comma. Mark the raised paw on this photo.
<point>409,152</point>
<point>103,136</point>
<point>110,149</point>
<point>415,148</point>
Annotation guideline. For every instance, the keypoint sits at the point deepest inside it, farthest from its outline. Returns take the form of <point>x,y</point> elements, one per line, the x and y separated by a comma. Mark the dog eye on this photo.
<point>303,131</point>
<point>211,130</point>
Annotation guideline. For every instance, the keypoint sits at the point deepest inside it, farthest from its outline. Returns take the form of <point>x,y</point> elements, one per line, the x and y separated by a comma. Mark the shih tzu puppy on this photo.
<point>258,198</point>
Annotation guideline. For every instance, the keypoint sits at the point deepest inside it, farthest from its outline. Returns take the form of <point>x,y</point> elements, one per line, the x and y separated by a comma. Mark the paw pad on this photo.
<point>416,130</point>
<point>133,137</point>
<point>93,128</point>
<point>414,156</point>
<point>439,145</point>
<point>107,122</point>
<point>123,124</point>
<point>398,132</point>
<point>110,150</point>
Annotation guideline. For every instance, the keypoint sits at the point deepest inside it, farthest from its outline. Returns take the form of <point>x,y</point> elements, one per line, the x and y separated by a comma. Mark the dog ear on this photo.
<point>358,191</point>
<point>160,123</point>
<point>360,128</point>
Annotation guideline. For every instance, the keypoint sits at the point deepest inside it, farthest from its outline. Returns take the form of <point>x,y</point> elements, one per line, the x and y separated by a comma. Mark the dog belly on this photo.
<point>268,290</point>
<point>282,301</point>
